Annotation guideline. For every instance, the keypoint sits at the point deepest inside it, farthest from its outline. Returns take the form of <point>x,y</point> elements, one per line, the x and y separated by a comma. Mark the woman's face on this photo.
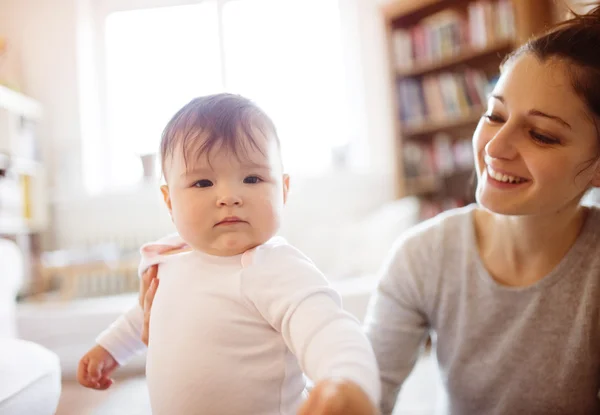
<point>536,148</point>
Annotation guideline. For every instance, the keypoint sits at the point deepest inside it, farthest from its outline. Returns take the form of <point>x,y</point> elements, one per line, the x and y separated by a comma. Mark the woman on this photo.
<point>510,287</point>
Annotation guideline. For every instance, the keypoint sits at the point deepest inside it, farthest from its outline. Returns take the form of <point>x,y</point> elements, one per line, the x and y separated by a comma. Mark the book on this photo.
<point>451,32</point>
<point>442,96</point>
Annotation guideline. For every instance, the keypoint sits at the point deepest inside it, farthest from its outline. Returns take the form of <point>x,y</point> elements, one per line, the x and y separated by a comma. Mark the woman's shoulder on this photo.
<point>591,232</point>
<point>449,226</point>
<point>594,215</point>
<point>432,245</point>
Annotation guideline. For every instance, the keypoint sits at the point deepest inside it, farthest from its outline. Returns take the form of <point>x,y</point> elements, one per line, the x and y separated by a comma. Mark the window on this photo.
<point>286,55</point>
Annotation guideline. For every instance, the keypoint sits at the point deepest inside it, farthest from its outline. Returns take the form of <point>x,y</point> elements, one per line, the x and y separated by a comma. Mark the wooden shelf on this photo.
<point>407,9</point>
<point>417,186</point>
<point>431,183</point>
<point>431,127</point>
<point>467,57</point>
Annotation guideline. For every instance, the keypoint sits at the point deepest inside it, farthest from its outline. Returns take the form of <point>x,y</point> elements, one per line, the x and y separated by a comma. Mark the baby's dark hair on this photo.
<point>224,121</point>
<point>576,43</point>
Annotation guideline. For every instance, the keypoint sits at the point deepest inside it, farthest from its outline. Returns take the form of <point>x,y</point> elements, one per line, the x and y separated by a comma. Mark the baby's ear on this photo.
<point>164,189</point>
<point>286,187</point>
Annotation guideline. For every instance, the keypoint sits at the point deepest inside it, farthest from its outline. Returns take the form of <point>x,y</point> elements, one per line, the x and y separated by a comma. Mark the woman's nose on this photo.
<point>502,144</point>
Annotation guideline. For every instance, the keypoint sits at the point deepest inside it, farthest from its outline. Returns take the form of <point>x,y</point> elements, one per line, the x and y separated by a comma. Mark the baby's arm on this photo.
<point>117,344</point>
<point>335,353</point>
<point>294,297</point>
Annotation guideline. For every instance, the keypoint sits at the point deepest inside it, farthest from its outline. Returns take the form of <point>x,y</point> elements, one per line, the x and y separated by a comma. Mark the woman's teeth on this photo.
<point>503,177</point>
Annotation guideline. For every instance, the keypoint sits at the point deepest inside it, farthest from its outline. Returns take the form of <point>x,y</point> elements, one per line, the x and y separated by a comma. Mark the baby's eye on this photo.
<point>203,183</point>
<point>252,180</point>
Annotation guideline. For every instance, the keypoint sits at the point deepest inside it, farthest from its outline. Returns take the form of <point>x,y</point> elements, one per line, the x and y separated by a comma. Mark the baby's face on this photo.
<point>229,205</point>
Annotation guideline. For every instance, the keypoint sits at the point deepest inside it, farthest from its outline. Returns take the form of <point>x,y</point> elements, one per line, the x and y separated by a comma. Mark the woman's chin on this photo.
<point>501,205</point>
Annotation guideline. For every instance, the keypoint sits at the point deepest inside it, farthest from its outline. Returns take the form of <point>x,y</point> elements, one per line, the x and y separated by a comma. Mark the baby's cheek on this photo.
<point>269,217</point>
<point>193,212</point>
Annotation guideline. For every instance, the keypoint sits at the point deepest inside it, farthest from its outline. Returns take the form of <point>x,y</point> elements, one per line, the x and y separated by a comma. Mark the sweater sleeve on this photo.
<point>396,323</point>
<point>123,338</point>
<point>295,298</point>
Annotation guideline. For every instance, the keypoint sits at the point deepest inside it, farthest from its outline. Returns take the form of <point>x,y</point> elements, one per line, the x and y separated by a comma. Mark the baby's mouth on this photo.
<point>231,220</point>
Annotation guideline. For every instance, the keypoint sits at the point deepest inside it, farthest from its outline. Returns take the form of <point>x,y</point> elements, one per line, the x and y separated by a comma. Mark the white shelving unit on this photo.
<point>23,198</point>
<point>19,104</point>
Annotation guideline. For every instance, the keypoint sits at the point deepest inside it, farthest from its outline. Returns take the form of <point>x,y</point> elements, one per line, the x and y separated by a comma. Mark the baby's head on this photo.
<point>225,188</point>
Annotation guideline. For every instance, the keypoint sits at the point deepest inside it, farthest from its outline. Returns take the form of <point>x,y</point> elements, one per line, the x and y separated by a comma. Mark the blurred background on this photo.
<point>375,103</point>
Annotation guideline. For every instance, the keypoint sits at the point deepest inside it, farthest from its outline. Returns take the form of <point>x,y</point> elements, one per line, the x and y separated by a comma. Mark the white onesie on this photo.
<point>233,335</point>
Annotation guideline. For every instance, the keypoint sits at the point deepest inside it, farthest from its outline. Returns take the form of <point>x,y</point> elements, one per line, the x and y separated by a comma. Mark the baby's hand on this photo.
<point>333,397</point>
<point>95,368</point>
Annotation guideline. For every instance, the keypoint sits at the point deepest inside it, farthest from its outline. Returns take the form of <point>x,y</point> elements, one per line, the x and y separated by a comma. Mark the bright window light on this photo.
<point>284,54</point>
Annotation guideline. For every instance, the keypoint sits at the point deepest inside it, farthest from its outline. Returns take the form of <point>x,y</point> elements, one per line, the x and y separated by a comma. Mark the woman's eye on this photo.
<point>203,183</point>
<point>493,118</point>
<point>543,138</point>
<point>252,180</point>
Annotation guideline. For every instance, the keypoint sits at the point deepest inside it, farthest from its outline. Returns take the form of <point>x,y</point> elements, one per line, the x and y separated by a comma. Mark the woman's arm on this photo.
<point>396,324</point>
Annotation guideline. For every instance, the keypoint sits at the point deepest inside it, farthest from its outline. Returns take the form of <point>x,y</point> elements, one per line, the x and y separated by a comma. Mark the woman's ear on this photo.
<point>286,187</point>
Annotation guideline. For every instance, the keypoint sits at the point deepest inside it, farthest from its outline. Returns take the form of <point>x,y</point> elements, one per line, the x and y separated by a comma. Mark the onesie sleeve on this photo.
<point>292,295</point>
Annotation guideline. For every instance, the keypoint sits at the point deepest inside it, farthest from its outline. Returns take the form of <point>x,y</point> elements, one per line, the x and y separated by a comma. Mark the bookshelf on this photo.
<point>444,60</point>
<point>468,57</point>
<point>426,127</point>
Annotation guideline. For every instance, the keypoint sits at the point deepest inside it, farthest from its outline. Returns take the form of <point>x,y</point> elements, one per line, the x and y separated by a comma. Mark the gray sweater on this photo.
<point>501,350</point>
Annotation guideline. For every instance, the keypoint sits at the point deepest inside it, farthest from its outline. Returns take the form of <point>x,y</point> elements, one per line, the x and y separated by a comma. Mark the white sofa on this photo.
<point>30,377</point>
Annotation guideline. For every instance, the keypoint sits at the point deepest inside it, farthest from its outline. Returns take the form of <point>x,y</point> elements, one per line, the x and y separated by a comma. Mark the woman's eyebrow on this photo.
<point>538,113</point>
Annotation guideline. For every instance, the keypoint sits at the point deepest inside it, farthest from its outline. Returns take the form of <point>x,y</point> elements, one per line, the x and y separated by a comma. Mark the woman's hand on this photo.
<point>148,287</point>
<point>337,397</point>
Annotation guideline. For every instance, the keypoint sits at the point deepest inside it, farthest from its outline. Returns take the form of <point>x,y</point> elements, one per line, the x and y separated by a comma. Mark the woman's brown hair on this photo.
<point>575,42</point>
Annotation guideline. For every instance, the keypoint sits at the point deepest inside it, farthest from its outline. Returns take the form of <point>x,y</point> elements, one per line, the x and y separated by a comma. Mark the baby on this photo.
<point>240,315</point>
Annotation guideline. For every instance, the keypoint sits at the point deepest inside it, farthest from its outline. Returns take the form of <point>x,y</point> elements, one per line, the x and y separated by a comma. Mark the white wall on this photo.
<point>46,34</point>
<point>376,82</point>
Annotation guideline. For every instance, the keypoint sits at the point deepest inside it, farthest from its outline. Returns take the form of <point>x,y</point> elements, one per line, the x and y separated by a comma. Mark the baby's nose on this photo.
<point>230,200</point>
